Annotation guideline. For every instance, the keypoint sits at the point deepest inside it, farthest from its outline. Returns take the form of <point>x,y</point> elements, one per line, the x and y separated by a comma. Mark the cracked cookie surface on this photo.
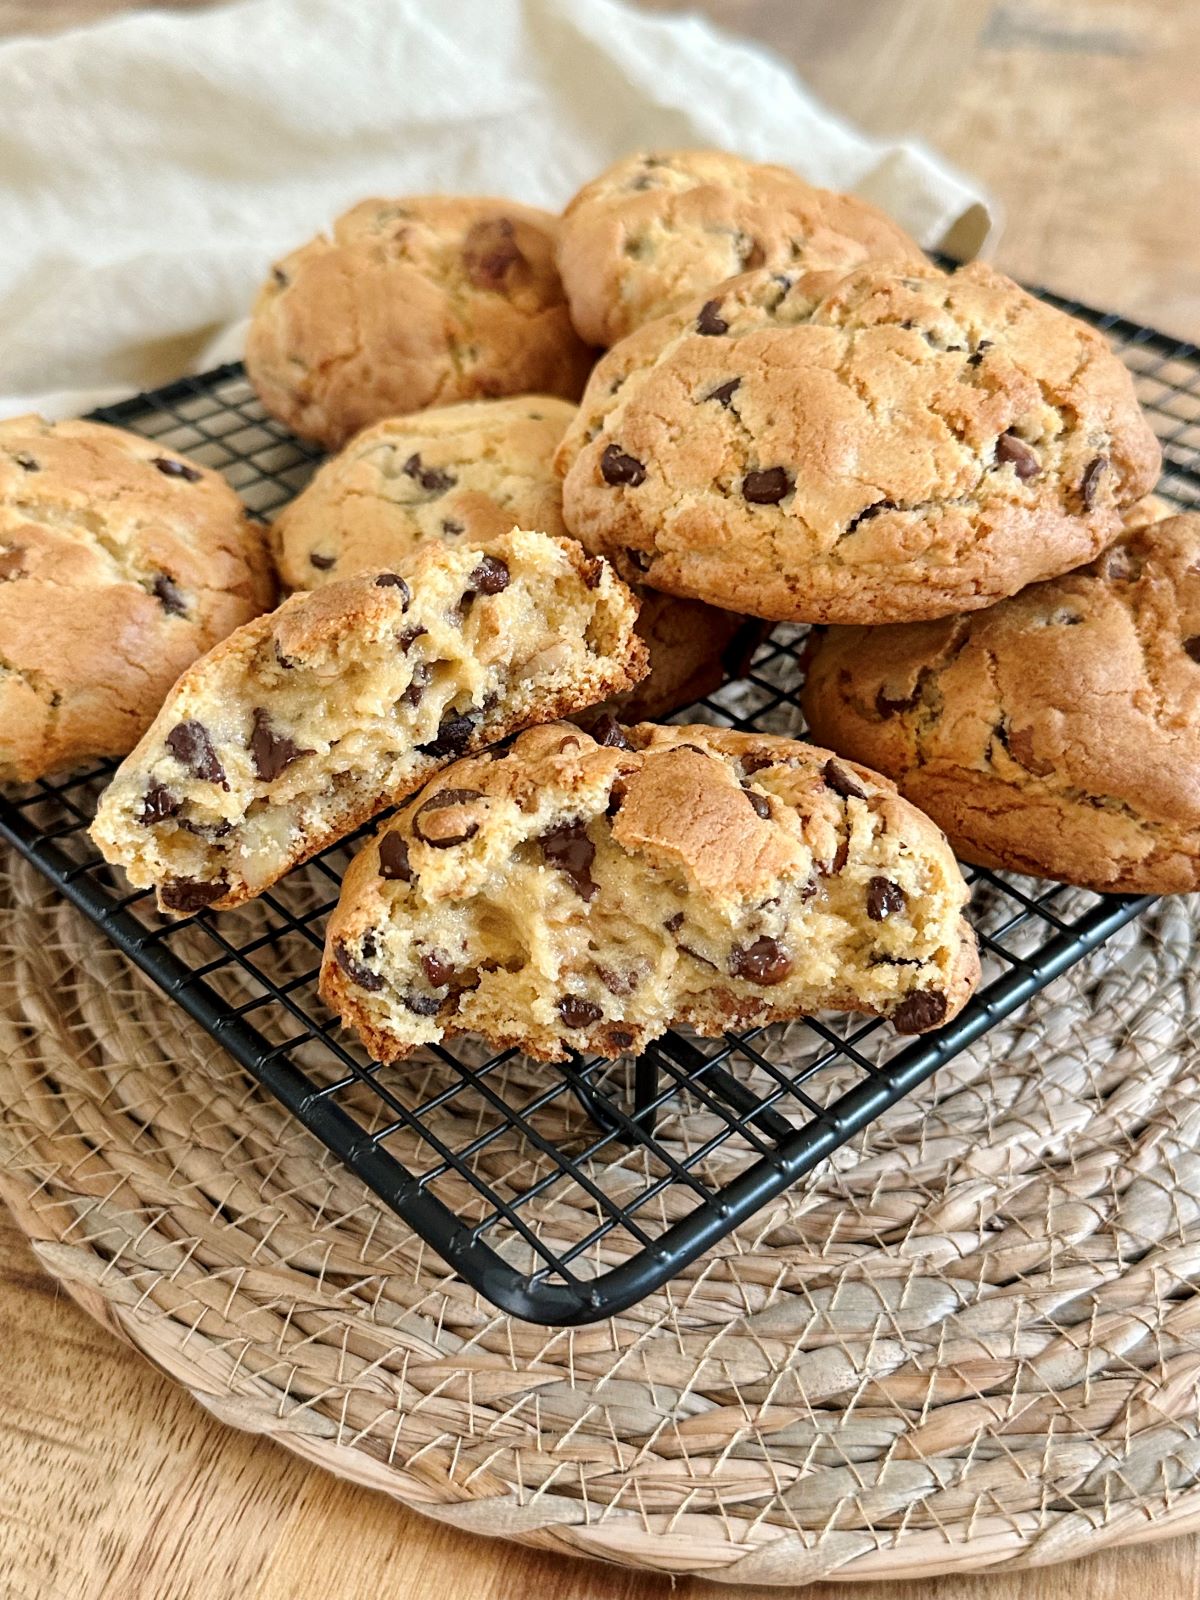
<point>413,303</point>
<point>891,444</point>
<point>121,561</point>
<point>471,472</point>
<point>571,892</point>
<point>1057,733</point>
<point>656,230</point>
<point>308,721</point>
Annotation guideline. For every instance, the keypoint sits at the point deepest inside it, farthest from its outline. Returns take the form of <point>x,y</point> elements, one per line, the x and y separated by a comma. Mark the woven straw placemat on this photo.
<point>970,1340</point>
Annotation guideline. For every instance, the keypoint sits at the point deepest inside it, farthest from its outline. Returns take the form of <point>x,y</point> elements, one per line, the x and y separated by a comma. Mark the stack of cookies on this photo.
<point>797,419</point>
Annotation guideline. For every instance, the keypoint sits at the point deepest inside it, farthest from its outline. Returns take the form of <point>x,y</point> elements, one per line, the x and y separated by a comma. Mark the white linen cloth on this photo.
<point>152,166</point>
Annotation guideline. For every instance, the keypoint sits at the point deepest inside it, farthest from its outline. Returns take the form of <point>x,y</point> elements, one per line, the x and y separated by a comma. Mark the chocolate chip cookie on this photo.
<point>413,303</point>
<point>306,722</point>
<point>472,472</point>
<point>654,231</point>
<point>586,893</point>
<point>886,445</point>
<point>121,561</point>
<point>1056,733</point>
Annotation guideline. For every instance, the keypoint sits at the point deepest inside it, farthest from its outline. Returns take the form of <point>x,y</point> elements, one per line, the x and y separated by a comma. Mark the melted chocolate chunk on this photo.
<point>271,752</point>
<point>169,596</point>
<point>322,563</point>
<point>393,859</point>
<point>421,675</point>
<point>1019,744</point>
<point>437,968</point>
<point>674,922</point>
<point>490,252</point>
<point>607,730</point>
<point>842,782</point>
<point>1014,451</point>
<point>577,1012</point>
<point>192,894</point>
<point>619,983</point>
<point>354,968</point>
<point>451,528</point>
<point>206,830</point>
<point>687,950</point>
<point>442,801</point>
<point>620,469</point>
<point>840,856</point>
<point>868,512</point>
<point>920,1011</point>
<point>1192,646</point>
<point>765,961</point>
<point>724,392</point>
<point>405,640</point>
<point>158,804</point>
<point>570,849</point>
<point>491,576</point>
<point>886,706</point>
<point>884,899</point>
<point>453,735</point>
<point>422,1005</point>
<point>760,803</point>
<point>710,320</point>
<point>1089,484</point>
<point>620,1038</point>
<point>177,469</point>
<point>191,746</point>
<point>393,580</point>
<point>27,463</point>
<point>756,760</point>
<point>616,798</point>
<point>766,487</point>
<point>432,479</point>
<point>11,561</point>
<point>279,277</point>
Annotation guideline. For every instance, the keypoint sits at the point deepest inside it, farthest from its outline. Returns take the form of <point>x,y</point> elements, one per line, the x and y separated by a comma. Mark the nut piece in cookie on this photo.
<point>121,561</point>
<point>888,445</point>
<point>1056,733</point>
<point>306,722</point>
<point>657,230</point>
<point>583,893</point>
<point>413,303</point>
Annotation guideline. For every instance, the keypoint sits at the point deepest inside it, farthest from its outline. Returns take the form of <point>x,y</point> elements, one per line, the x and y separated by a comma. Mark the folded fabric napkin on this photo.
<point>151,167</point>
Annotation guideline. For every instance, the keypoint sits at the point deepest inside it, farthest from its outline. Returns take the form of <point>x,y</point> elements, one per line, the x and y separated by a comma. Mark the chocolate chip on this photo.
<point>421,675</point>
<point>616,798</point>
<point>431,478</point>
<point>920,1011</point>
<point>1014,451</point>
<point>1192,646</point>
<point>490,251</point>
<point>765,961</point>
<point>570,849</point>
<point>192,894</point>
<point>438,968</point>
<point>191,746</point>
<point>1090,482</point>
<point>710,320</point>
<point>443,801</point>
<point>724,392</point>
<point>766,487</point>
<point>422,1005</point>
<point>591,570</point>
<point>618,468</point>
<point>393,859</point>
<point>206,830</point>
<point>322,563</point>
<point>393,580</point>
<point>868,512</point>
<point>491,576</point>
<point>450,528</point>
<point>11,562</point>
<point>674,922</point>
<point>759,801</point>
<point>1019,744</point>
<point>405,639</point>
<point>271,752</point>
<point>756,760</point>
<point>27,463</point>
<point>577,1012</point>
<point>884,899</point>
<point>177,469</point>
<point>620,1038</point>
<point>354,969</point>
<point>606,730</point>
<point>453,735</point>
<point>842,782</point>
<point>618,983</point>
<point>158,804</point>
<point>840,856</point>
<point>169,596</point>
<point>976,355</point>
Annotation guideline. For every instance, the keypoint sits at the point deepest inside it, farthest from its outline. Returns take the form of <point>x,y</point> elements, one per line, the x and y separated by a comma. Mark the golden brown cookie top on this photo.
<point>884,445</point>
<point>657,229</point>
<point>413,303</point>
<point>1087,687</point>
<point>121,561</point>
<point>473,470</point>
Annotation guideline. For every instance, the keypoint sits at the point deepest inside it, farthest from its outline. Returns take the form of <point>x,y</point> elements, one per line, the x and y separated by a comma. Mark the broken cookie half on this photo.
<point>587,892</point>
<point>306,722</point>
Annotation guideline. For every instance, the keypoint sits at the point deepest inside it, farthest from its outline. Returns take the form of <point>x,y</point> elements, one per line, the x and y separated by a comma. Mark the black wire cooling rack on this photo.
<point>564,1194</point>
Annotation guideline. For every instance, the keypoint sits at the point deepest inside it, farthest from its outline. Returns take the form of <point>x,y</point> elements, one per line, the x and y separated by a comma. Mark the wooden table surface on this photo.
<point>1082,117</point>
